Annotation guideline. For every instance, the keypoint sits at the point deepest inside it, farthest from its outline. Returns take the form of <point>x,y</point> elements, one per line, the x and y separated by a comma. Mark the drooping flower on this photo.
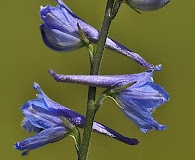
<point>43,116</point>
<point>137,102</point>
<point>60,32</point>
<point>147,5</point>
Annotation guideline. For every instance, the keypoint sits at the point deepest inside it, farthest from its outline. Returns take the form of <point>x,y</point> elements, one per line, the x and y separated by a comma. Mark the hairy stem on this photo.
<point>95,68</point>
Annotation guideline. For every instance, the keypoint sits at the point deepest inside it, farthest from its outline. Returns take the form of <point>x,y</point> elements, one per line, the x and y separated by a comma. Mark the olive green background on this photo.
<point>165,36</point>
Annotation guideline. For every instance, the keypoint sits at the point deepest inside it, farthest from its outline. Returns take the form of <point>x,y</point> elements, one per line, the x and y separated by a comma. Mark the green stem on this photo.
<point>95,68</point>
<point>102,37</point>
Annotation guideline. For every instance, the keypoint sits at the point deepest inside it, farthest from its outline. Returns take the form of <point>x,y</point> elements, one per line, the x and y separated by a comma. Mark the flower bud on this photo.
<point>147,5</point>
<point>58,33</point>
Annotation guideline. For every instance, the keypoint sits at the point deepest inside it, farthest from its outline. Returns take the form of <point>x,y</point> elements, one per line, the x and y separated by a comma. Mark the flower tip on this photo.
<point>41,27</point>
<point>134,141</point>
<point>53,74</point>
<point>166,98</point>
<point>51,71</point>
<point>36,86</point>
<point>17,146</point>
<point>144,130</point>
<point>162,127</point>
<point>158,67</point>
<point>41,7</point>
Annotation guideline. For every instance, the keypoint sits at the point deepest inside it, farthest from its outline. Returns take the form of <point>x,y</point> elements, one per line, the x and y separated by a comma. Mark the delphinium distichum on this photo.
<point>137,95</point>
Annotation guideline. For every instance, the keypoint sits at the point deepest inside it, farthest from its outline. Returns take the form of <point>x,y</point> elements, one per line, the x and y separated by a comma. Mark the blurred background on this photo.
<point>165,36</point>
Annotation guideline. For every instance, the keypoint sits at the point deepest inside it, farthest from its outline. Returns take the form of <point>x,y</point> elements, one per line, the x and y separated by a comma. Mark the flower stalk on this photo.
<point>95,68</point>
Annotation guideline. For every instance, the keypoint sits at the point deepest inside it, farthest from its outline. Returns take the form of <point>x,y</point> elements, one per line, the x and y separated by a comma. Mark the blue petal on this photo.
<point>139,114</point>
<point>142,118</point>
<point>55,19</point>
<point>150,95</point>
<point>29,126</point>
<point>99,128</point>
<point>40,139</point>
<point>68,14</point>
<point>60,110</point>
<point>105,81</point>
<point>58,40</point>
<point>40,117</point>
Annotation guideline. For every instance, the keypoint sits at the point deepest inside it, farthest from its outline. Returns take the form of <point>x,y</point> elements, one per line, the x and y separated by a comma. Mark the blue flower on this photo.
<point>60,32</point>
<point>43,116</point>
<point>137,102</point>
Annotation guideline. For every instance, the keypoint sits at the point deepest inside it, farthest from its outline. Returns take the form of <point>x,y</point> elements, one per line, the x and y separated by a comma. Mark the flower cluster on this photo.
<point>137,95</point>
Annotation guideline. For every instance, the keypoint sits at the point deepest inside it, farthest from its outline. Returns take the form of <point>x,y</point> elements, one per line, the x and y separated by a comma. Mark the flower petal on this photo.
<point>105,81</point>
<point>40,139</point>
<point>138,103</point>
<point>99,128</point>
<point>150,95</point>
<point>29,126</point>
<point>58,40</point>
<point>58,109</point>
<point>40,117</point>
<point>55,19</point>
<point>139,114</point>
